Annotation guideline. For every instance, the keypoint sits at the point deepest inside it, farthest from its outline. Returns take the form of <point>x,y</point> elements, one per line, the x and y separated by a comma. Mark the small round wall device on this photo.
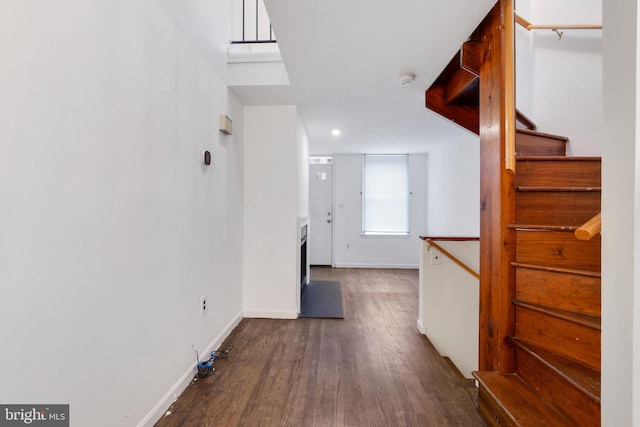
<point>406,79</point>
<point>205,157</point>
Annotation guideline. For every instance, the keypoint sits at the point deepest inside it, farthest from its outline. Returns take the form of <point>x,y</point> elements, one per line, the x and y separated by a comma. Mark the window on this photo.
<point>385,194</point>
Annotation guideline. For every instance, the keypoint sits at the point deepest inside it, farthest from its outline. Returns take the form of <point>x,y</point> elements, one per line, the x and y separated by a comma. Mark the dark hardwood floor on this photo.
<point>372,368</point>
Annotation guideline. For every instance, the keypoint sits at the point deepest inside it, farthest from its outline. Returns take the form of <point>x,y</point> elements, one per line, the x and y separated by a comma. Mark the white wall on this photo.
<point>621,218</point>
<point>453,210</point>
<point>275,192</point>
<point>449,303</point>
<point>559,82</point>
<point>302,162</point>
<point>351,248</point>
<point>302,145</point>
<point>525,64</point>
<point>248,72</point>
<point>111,231</point>
<point>453,194</point>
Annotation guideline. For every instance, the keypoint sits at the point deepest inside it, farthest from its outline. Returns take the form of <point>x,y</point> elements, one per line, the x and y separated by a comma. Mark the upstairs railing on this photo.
<point>256,26</point>
<point>430,242</point>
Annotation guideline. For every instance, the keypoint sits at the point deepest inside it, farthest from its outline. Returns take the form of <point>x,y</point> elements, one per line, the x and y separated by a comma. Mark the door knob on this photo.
<point>328,213</point>
<point>328,221</point>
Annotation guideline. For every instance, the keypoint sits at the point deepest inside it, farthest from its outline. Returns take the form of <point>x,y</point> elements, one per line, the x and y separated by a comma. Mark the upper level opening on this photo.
<point>252,35</point>
<point>251,23</point>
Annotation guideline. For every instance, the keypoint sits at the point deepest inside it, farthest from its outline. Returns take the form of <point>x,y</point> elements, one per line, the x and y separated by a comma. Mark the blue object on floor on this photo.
<point>322,299</point>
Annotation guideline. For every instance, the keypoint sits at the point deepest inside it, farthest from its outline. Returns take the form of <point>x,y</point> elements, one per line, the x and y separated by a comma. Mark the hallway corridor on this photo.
<point>371,369</point>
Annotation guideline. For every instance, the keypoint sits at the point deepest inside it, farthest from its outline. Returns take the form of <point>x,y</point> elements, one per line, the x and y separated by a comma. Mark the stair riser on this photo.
<point>491,412</point>
<point>571,401</point>
<point>568,339</point>
<point>564,291</point>
<point>557,249</point>
<point>558,173</point>
<point>532,145</point>
<point>566,208</point>
<point>505,400</point>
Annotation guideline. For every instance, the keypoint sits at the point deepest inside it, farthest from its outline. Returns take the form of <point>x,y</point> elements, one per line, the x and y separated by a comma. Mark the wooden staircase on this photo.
<point>556,380</point>
<point>539,284</point>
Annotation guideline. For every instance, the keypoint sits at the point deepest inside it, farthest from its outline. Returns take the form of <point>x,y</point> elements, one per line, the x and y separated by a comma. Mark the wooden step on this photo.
<point>565,289</point>
<point>532,143</point>
<point>541,171</point>
<point>454,95</point>
<point>557,249</point>
<point>573,388</point>
<point>587,380</point>
<point>571,335</point>
<point>506,400</point>
<point>557,206</point>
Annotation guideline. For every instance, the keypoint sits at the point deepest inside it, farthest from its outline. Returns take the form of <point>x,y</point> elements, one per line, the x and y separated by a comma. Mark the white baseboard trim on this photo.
<point>420,327</point>
<point>172,395</point>
<point>270,314</point>
<point>400,266</point>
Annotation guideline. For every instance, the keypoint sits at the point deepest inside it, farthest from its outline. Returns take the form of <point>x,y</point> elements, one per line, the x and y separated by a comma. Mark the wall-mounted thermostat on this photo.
<point>225,124</point>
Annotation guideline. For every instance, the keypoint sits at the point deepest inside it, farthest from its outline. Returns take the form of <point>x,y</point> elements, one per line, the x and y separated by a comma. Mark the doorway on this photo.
<point>321,211</point>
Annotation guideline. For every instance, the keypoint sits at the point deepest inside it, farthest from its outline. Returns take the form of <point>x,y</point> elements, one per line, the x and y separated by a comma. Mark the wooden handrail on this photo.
<point>590,228</point>
<point>529,26</point>
<point>526,121</point>
<point>509,75</point>
<point>452,257</point>
<point>450,239</point>
<point>556,27</point>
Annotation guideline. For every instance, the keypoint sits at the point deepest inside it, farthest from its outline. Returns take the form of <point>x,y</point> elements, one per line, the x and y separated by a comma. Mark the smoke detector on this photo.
<point>406,79</point>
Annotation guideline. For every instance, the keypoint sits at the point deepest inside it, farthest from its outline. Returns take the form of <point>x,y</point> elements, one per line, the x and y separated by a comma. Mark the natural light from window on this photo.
<point>385,194</point>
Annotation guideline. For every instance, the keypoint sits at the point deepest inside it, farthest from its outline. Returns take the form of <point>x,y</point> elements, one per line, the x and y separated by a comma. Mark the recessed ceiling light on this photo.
<point>336,132</point>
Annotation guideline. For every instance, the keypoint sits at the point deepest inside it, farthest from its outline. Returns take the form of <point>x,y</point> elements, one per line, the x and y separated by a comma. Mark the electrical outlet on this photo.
<point>436,258</point>
<point>203,305</point>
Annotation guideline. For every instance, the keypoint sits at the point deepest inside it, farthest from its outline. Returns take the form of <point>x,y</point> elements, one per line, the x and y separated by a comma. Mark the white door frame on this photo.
<point>315,216</point>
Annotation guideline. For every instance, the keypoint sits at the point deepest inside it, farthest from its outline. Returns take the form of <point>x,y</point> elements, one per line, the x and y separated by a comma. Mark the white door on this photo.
<point>321,213</point>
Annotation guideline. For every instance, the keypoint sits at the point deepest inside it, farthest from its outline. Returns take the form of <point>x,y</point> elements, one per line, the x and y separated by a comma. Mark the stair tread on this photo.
<point>522,404</point>
<point>587,320</point>
<point>581,376</point>
<point>559,158</point>
<point>557,269</point>
<point>559,189</point>
<point>542,134</point>
<point>546,227</point>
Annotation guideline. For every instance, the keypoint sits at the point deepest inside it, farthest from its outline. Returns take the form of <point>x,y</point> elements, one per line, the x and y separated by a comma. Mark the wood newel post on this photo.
<point>497,208</point>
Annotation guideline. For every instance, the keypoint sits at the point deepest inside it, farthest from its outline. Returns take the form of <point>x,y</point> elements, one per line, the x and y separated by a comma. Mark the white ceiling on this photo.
<point>344,58</point>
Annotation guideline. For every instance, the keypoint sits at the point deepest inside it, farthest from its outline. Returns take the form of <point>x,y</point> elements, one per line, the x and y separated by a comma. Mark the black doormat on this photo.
<point>322,299</point>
